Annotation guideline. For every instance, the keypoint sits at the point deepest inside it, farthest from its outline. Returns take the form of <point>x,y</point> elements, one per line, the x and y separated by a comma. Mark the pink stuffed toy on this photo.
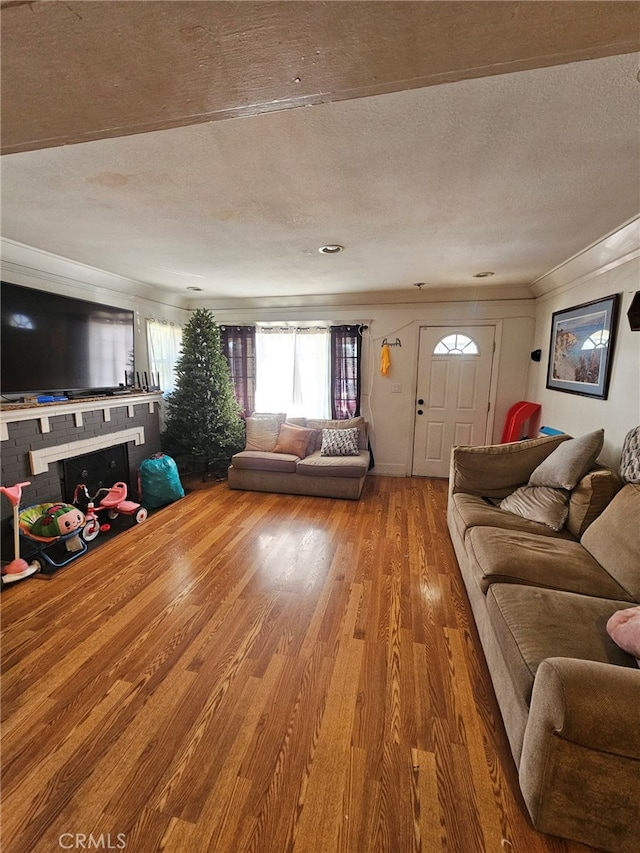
<point>624,629</point>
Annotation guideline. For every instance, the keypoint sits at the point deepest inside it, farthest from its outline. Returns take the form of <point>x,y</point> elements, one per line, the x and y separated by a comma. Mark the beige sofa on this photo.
<point>263,467</point>
<point>541,599</point>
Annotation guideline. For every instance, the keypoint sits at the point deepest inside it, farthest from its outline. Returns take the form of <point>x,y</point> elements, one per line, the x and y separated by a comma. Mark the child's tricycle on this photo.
<point>114,502</point>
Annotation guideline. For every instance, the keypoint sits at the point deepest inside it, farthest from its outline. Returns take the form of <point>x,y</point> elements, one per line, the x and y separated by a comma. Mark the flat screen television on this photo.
<point>53,344</point>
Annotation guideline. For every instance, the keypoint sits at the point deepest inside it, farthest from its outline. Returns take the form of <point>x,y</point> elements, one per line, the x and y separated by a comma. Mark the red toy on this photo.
<point>114,501</point>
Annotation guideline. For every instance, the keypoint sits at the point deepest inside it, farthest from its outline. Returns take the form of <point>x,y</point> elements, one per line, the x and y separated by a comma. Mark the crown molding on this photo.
<point>617,248</point>
<point>27,265</point>
<point>370,299</point>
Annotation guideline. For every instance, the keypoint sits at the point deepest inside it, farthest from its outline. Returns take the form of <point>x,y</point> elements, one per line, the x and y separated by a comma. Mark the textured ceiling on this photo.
<point>512,173</point>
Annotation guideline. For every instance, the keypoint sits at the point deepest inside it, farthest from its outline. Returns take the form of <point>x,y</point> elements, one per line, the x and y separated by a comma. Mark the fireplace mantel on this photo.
<point>42,412</point>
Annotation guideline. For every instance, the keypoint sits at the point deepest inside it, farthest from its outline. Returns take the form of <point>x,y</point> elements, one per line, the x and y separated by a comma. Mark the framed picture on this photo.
<point>581,349</point>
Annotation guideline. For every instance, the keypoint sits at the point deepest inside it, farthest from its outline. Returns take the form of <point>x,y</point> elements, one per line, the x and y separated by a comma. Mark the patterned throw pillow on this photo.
<point>630,461</point>
<point>339,442</point>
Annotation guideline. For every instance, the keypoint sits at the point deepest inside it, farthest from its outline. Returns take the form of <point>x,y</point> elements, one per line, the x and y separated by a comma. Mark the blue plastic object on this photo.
<point>545,430</point>
<point>160,481</point>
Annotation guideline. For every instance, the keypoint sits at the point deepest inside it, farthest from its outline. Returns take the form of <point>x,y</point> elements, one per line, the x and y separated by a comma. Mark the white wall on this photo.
<point>577,414</point>
<point>611,266</point>
<point>392,415</point>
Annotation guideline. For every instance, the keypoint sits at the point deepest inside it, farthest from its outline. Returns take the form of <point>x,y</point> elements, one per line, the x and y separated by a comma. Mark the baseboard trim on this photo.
<point>388,469</point>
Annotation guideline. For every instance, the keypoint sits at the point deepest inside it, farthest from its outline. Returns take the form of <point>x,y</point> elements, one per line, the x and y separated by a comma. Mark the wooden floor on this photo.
<point>265,673</point>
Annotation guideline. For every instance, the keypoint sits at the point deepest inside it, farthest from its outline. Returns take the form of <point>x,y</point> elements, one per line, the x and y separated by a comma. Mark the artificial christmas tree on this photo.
<point>203,424</point>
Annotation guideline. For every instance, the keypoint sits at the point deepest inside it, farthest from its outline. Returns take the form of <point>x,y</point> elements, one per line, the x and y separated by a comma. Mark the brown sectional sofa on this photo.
<point>568,695</point>
<point>313,474</point>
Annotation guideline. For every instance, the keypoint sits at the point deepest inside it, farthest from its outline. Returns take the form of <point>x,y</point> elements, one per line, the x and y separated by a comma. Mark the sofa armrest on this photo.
<point>595,705</point>
<point>580,760</point>
<point>496,470</point>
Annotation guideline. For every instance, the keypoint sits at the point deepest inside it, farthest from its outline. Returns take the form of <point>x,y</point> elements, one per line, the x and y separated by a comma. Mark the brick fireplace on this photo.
<point>36,440</point>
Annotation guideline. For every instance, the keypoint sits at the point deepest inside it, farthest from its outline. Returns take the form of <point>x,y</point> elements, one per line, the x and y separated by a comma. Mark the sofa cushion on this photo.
<point>569,462</point>
<point>505,556</point>
<point>539,503</point>
<point>532,624</point>
<point>316,465</point>
<point>261,461</point>
<point>511,465</point>
<point>324,423</point>
<point>339,442</point>
<point>472,511</point>
<point>262,432</point>
<point>613,539</point>
<point>589,498</point>
<point>294,440</point>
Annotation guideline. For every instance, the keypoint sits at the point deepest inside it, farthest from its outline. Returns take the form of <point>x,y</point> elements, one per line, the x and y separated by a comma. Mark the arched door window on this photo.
<point>456,344</point>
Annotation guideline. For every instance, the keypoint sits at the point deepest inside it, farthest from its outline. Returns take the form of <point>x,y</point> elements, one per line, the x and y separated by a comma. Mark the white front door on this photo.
<point>452,403</point>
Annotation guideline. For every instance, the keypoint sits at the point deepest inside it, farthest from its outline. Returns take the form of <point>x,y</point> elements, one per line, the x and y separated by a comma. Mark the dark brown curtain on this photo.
<point>346,351</point>
<point>239,347</point>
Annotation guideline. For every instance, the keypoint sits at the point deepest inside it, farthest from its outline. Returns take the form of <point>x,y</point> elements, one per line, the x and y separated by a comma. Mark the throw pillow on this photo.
<point>347,423</point>
<point>539,503</point>
<point>262,433</point>
<point>630,459</point>
<point>624,629</point>
<point>294,440</point>
<point>569,462</point>
<point>589,498</point>
<point>339,442</point>
<point>280,416</point>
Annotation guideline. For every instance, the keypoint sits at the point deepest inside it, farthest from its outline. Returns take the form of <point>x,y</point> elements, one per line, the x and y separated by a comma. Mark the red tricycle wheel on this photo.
<point>141,515</point>
<point>90,531</point>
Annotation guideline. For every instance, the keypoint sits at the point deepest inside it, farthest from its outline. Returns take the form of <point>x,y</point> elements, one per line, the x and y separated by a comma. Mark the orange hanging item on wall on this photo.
<point>385,360</point>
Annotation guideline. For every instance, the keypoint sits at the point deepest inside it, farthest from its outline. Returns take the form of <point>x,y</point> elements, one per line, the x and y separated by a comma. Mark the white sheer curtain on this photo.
<point>163,341</point>
<point>292,372</point>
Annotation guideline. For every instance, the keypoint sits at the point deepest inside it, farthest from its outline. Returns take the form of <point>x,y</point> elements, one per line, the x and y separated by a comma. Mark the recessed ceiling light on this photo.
<point>193,287</point>
<point>331,249</point>
<point>483,274</point>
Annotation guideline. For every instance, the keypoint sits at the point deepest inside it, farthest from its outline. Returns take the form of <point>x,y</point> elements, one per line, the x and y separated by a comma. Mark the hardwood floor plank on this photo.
<point>32,806</point>
<point>220,811</point>
<point>258,673</point>
<point>321,803</point>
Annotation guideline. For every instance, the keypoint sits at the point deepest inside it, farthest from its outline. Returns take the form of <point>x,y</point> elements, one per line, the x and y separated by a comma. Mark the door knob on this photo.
<point>421,402</point>
<point>420,412</point>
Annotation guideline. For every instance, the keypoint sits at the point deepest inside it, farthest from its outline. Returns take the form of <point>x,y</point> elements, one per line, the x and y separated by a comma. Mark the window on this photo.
<point>163,340</point>
<point>456,344</point>
<point>292,371</point>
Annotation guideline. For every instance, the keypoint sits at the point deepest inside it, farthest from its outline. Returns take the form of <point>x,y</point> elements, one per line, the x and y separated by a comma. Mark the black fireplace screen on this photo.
<point>96,470</point>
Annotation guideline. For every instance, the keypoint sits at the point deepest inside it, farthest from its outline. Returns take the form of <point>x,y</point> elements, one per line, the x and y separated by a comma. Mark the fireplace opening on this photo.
<point>97,470</point>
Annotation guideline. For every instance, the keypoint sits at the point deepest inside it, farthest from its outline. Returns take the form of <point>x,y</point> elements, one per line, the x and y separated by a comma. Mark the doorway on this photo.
<point>455,365</point>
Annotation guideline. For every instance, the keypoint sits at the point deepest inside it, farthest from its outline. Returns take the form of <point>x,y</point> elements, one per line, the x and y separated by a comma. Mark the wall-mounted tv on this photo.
<point>53,344</point>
